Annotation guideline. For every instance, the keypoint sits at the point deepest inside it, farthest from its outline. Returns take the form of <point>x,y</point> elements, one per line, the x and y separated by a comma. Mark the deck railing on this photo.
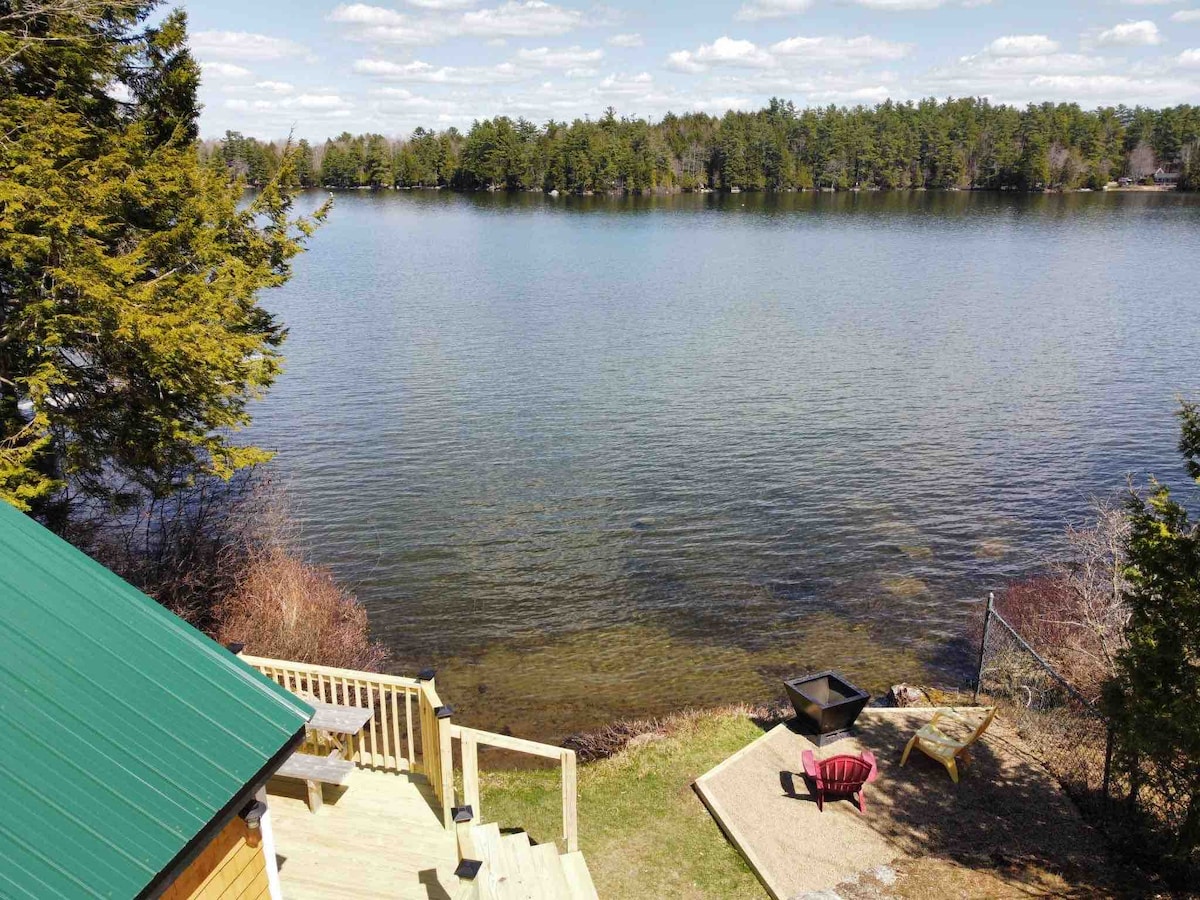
<point>398,738</point>
<point>470,740</point>
<point>387,741</point>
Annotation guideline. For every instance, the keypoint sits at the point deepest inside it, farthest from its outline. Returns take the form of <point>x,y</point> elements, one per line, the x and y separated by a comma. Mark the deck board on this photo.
<point>377,836</point>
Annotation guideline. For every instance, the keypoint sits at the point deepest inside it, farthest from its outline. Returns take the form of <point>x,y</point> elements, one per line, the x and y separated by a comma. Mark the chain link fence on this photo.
<point>1064,728</point>
<point>1145,813</point>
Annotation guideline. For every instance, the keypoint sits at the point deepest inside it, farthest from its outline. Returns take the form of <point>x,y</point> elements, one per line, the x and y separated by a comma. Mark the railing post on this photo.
<point>987,622</point>
<point>470,768</point>
<point>569,802</point>
<point>445,763</point>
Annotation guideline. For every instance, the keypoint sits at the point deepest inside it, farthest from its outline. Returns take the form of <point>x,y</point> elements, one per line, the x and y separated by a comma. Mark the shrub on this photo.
<point>224,555</point>
<point>1075,614</point>
<point>285,608</point>
<point>1155,700</point>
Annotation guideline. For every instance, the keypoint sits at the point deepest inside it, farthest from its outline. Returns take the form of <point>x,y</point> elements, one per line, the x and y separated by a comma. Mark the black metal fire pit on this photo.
<point>826,705</point>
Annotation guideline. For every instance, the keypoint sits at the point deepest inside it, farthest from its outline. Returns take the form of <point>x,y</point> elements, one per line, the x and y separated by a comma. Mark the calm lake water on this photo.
<point>599,458</point>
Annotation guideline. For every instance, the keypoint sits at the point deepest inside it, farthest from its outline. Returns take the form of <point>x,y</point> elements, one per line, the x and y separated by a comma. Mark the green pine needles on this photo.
<point>131,339</point>
<point>1155,700</point>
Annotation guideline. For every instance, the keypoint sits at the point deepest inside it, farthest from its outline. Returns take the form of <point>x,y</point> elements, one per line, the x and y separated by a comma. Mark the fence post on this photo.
<point>1108,754</point>
<point>987,622</point>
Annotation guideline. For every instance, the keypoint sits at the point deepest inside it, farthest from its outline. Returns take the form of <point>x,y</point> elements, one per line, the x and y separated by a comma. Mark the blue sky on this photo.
<point>319,67</point>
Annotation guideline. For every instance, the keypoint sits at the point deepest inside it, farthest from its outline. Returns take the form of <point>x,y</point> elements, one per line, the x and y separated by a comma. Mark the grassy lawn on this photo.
<point>643,829</point>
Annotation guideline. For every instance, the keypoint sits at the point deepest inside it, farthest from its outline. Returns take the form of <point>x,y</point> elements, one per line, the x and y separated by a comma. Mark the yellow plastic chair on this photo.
<point>939,746</point>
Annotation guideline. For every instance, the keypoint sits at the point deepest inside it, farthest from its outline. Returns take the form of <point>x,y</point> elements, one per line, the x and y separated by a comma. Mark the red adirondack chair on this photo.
<point>841,775</point>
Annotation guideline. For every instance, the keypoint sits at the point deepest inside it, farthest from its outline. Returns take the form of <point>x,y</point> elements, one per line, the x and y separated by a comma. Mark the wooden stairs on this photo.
<point>515,869</point>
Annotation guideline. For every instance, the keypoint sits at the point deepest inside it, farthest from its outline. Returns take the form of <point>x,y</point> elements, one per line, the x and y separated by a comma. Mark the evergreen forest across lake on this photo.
<point>954,144</point>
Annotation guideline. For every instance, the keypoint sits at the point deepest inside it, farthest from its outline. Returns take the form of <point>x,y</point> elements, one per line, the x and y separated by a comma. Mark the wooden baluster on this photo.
<point>382,726</point>
<point>408,725</point>
<point>395,725</point>
<point>378,746</point>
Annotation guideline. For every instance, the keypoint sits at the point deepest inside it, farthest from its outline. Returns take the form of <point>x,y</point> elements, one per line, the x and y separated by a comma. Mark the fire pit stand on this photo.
<point>826,705</point>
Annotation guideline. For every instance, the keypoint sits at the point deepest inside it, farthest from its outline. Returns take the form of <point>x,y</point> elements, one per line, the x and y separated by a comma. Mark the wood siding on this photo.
<point>231,867</point>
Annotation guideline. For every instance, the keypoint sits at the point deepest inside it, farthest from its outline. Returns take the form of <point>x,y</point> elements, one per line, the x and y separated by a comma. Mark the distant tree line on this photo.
<point>966,143</point>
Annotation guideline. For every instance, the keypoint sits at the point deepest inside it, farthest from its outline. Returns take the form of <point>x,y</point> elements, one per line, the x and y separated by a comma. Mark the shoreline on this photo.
<point>672,192</point>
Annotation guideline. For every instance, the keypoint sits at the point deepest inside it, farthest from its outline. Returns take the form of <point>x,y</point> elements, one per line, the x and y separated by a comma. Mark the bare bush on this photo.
<point>1075,615</point>
<point>225,556</point>
<point>285,608</point>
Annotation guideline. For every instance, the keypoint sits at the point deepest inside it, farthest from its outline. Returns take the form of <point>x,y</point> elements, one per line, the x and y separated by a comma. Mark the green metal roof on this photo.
<point>125,730</point>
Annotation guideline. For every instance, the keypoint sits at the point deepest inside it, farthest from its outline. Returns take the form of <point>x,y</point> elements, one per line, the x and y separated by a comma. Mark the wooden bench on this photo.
<point>315,771</point>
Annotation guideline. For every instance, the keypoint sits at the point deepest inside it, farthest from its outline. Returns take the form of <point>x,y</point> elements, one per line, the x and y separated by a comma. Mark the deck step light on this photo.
<point>468,869</point>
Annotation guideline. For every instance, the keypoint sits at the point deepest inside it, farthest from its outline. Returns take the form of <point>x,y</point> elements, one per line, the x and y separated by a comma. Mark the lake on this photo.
<point>597,458</point>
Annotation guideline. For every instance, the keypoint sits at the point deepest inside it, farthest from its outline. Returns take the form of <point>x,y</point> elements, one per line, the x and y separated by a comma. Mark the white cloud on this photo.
<point>1023,45</point>
<point>901,5</point>
<point>918,5</point>
<point>1186,15</point>
<point>771,9</point>
<point>1189,59</point>
<point>867,94</point>
<point>724,51</point>
<point>326,104</point>
<point>839,50</point>
<point>1143,33</point>
<point>513,18</point>
<point>626,84</point>
<point>563,58</point>
<point>364,14</point>
<point>245,46</point>
<point>317,101</point>
<point>374,23</point>
<point>522,18</point>
<point>626,40</point>
<point>224,70</point>
<point>274,87</point>
<point>423,72</point>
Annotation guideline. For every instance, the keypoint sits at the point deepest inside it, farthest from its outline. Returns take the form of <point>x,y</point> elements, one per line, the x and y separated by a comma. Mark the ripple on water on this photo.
<point>639,439</point>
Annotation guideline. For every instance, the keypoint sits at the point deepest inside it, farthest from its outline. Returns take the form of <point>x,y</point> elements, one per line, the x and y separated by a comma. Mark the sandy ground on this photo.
<point>1005,830</point>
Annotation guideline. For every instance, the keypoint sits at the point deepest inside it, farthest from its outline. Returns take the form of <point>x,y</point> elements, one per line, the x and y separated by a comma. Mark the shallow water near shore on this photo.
<point>602,458</point>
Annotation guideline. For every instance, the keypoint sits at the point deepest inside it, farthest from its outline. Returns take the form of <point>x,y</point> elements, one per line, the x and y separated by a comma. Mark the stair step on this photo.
<point>579,879</point>
<point>552,881</point>
<point>485,840</point>
<point>515,869</point>
<point>519,880</point>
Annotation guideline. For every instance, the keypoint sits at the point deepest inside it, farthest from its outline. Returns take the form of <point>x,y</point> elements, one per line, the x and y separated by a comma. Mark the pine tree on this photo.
<point>1155,701</point>
<point>130,336</point>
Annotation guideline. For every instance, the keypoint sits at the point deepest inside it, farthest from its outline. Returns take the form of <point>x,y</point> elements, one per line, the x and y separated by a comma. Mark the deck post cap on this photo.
<point>468,869</point>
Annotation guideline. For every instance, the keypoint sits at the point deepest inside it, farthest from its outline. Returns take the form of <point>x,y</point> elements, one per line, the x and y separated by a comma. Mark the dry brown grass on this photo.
<point>225,556</point>
<point>286,608</point>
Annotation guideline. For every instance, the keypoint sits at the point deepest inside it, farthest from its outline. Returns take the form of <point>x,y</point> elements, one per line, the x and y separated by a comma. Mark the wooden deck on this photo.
<point>380,835</point>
